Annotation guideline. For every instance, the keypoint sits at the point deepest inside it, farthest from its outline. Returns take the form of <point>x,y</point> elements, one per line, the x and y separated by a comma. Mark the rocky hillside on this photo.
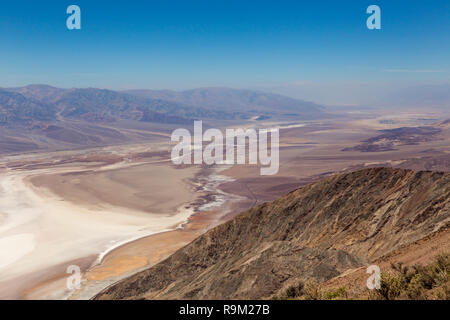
<point>315,232</point>
<point>18,110</point>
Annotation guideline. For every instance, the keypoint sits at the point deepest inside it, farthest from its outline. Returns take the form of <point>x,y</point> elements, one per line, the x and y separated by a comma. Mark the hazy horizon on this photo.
<point>224,150</point>
<point>322,52</point>
<point>434,96</point>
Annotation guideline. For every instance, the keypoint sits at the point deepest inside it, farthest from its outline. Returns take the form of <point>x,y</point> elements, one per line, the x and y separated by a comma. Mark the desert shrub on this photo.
<point>294,291</point>
<point>312,291</point>
<point>406,272</point>
<point>391,286</point>
<point>427,275</point>
<point>435,274</point>
<point>414,282</point>
<point>442,262</point>
<point>415,289</point>
<point>441,268</point>
<point>444,292</point>
<point>339,293</point>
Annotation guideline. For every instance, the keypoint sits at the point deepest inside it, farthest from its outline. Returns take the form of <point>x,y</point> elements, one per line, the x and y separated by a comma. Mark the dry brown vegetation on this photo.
<point>416,282</point>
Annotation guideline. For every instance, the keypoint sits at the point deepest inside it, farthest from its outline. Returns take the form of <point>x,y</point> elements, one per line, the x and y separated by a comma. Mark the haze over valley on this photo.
<point>79,160</point>
<point>232,150</point>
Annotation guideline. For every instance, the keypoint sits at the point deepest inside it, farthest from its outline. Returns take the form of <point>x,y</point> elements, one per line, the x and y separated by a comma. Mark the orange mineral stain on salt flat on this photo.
<point>150,250</point>
<point>116,267</point>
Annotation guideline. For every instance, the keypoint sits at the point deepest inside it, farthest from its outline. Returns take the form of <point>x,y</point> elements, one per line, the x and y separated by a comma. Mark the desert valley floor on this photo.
<point>119,209</point>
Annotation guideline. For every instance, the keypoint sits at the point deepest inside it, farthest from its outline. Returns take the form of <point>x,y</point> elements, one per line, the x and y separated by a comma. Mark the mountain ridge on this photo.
<point>235,100</point>
<point>316,232</point>
<point>88,117</point>
<point>208,103</point>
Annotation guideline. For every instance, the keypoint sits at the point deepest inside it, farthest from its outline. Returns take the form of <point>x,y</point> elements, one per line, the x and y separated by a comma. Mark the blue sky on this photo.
<point>278,45</point>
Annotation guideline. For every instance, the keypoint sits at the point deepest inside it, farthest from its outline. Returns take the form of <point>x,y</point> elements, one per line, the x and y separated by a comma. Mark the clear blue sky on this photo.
<point>237,43</point>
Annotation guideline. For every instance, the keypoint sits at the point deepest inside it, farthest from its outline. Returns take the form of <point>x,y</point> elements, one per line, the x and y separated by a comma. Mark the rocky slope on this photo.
<point>316,232</point>
<point>16,109</point>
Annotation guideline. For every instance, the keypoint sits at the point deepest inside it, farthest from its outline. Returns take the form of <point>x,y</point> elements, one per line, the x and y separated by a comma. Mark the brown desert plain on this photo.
<point>117,210</point>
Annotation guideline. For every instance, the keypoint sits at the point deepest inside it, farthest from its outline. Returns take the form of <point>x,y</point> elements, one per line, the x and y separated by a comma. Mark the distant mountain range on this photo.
<point>44,103</point>
<point>41,115</point>
<point>242,102</point>
<point>17,109</point>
